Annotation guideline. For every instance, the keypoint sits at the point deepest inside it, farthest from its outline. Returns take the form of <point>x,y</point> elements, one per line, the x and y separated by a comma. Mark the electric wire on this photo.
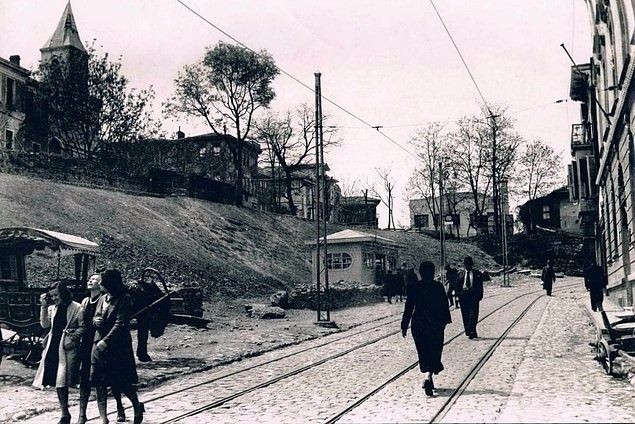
<point>375,127</point>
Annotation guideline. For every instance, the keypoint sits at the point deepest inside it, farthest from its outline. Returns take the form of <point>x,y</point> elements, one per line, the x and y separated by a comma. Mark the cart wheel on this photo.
<point>604,358</point>
<point>152,273</point>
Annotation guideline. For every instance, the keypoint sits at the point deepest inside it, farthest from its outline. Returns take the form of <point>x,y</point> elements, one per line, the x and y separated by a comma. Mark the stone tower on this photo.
<point>65,44</point>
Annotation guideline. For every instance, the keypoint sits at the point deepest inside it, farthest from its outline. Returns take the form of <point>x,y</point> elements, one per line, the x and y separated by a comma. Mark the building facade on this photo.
<point>458,213</point>
<point>553,211</point>
<point>14,81</point>
<point>359,211</point>
<point>608,119</point>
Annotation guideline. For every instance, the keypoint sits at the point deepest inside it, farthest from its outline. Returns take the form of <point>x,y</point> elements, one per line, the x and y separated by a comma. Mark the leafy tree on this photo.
<point>539,169</point>
<point>86,104</point>
<point>227,86</point>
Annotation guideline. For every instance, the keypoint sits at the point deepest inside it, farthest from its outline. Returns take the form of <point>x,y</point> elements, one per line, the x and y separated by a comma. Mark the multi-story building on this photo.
<point>553,211</point>
<point>606,89</point>
<point>458,213</point>
<point>272,191</point>
<point>14,80</point>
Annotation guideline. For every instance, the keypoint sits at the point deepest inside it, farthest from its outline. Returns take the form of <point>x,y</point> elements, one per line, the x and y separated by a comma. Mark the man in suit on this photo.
<point>470,290</point>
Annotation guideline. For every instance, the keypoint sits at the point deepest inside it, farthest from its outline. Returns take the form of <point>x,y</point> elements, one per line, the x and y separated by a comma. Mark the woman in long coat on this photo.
<point>427,308</point>
<point>112,363</point>
<point>59,366</point>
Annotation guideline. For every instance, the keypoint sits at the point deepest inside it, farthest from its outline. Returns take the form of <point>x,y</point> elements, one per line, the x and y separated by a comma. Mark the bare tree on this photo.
<point>291,140</point>
<point>539,169</point>
<point>228,85</point>
<point>386,193</point>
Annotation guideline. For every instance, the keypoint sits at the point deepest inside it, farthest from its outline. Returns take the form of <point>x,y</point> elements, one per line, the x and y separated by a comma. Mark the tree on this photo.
<point>227,86</point>
<point>385,193</point>
<point>428,142</point>
<point>291,140</point>
<point>86,103</point>
<point>539,169</point>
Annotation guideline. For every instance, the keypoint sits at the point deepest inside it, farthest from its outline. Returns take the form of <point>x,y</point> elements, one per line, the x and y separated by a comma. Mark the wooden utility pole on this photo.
<point>325,204</point>
<point>495,194</point>
<point>441,223</point>
<point>316,210</point>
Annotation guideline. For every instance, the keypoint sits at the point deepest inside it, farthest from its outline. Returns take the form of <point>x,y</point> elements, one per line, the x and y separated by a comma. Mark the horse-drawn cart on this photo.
<point>20,330</point>
<point>615,337</point>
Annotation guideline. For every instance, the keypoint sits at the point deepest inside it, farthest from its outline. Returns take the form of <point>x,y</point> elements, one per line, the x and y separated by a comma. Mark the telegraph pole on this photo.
<point>325,205</point>
<point>441,223</point>
<point>316,211</point>
<point>504,235</point>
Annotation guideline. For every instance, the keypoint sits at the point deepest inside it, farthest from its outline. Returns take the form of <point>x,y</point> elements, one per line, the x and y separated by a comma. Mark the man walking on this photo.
<point>451,277</point>
<point>470,290</point>
<point>548,276</point>
<point>595,282</point>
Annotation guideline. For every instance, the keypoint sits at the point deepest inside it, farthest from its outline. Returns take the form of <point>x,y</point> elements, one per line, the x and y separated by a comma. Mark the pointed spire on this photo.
<point>66,34</point>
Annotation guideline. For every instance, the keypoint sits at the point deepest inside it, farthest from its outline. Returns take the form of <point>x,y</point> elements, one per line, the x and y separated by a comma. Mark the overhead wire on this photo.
<point>294,78</point>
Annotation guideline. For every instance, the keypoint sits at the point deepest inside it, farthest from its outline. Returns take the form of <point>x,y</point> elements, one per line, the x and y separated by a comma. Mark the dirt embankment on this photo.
<point>234,252</point>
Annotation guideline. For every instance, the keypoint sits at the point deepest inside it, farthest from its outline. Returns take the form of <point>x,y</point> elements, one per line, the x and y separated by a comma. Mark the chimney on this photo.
<point>180,134</point>
<point>15,59</point>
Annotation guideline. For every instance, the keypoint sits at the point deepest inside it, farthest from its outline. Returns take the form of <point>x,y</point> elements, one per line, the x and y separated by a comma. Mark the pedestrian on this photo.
<point>112,362</point>
<point>469,286</point>
<point>451,276</point>
<point>595,282</point>
<point>548,277</point>
<point>403,282</point>
<point>59,366</point>
<point>427,308</point>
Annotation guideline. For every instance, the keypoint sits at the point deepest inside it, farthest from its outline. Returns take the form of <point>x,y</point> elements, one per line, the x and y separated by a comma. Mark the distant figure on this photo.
<point>595,282</point>
<point>469,286</point>
<point>379,275</point>
<point>427,308</point>
<point>452,276</point>
<point>548,276</point>
<point>403,283</point>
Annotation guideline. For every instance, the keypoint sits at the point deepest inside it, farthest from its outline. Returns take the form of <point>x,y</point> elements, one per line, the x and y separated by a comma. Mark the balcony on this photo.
<point>579,87</point>
<point>579,139</point>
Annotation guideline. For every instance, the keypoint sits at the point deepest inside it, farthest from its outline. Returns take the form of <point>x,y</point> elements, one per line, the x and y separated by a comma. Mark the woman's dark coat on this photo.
<point>114,366</point>
<point>427,307</point>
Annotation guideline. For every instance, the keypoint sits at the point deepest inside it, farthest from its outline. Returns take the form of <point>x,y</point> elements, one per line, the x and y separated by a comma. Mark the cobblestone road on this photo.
<point>545,365</point>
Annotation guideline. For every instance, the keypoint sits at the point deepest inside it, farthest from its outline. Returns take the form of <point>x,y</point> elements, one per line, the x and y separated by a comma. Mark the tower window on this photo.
<point>8,137</point>
<point>10,93</point>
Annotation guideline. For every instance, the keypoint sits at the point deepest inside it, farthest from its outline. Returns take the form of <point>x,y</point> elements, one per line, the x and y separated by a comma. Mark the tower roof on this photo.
<point>66,34</point>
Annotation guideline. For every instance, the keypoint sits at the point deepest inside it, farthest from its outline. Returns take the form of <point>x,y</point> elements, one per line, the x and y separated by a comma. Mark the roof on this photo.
<point>353,236</point>
<point>16,68</point>
<point>358,200</point>
<point>211,137</point>
<point>28,239</point>
<point>562,193</point>
<point>66,34</point>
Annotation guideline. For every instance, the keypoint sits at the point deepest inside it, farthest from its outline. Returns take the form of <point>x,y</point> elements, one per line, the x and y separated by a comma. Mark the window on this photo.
<point>216,150</point>
<point>422,221</point>
<point>338,260</point>
<point>545,212</point>
<point>369,260</point>
<point>202,152</point>
<point>8,137</point>
<point>10,93</point>
<point>9,268</point>
<point>36,147</point>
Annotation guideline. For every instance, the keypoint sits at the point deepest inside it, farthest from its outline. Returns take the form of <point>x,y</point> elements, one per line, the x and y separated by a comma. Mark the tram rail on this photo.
<point>217,403</point>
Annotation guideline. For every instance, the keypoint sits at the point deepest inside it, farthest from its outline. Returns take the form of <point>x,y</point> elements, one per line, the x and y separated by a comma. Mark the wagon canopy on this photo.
<point>25,240</point>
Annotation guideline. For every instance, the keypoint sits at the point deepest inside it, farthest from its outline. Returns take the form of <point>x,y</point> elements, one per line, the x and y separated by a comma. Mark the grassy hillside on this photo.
<point>230,251</point>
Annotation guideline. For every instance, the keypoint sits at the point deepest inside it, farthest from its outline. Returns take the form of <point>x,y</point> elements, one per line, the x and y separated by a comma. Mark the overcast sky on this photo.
<point>389,62</point>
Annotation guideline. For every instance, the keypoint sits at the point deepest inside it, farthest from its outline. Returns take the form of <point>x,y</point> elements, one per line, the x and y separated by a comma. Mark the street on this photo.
<point>542,371</point>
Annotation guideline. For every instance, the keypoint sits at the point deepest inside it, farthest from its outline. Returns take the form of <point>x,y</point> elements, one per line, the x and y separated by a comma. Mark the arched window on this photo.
<point>338,260</point>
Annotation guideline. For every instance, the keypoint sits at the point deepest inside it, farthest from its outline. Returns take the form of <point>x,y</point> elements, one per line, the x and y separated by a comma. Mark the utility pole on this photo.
<point>441,223</point>
<point>316,210</point>
<point>495,194</point>
<point>504,234</point>
<point>323,316</point>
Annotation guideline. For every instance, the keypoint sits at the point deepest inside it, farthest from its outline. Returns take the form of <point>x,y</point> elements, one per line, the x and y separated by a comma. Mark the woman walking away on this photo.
<point>427,307</point>
<point>59,366</point>
<point>112,362</point>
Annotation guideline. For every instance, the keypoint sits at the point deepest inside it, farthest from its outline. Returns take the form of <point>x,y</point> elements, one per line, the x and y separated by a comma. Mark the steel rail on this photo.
<point>272,381</point>
<point>471,374</point>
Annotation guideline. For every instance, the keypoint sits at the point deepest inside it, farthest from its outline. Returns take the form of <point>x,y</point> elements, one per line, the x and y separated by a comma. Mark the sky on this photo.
<point>390,63</point>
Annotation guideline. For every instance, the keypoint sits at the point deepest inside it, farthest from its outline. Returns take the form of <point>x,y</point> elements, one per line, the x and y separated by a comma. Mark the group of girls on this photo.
<point>89,344</point>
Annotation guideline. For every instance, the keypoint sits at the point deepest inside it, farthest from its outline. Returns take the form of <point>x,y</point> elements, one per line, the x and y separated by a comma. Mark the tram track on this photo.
<point>291,354</point>
<point>464,383</point>
<point>217,403</point>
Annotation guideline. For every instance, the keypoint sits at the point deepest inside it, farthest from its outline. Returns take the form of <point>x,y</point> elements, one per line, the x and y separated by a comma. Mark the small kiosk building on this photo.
<point>356,256</point>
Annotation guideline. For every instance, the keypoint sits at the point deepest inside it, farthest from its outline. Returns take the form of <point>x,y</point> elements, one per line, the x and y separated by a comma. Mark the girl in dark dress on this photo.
<point>427,308</point>
<point>112,362</point>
